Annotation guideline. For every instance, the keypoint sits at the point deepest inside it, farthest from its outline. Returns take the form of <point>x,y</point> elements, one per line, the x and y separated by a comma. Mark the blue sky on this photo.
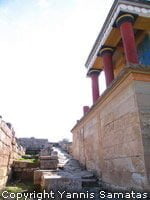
<point>43,46</point>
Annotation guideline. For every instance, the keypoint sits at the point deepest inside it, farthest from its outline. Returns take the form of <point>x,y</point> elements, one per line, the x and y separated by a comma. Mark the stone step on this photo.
<point>88,176</point>
<point>91,182</point>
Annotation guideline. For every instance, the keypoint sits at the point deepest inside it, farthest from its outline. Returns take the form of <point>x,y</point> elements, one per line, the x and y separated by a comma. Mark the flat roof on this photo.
<point>139,7</point>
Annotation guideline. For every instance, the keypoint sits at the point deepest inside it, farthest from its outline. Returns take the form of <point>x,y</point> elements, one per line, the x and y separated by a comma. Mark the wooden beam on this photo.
<point>98,64</point>
<point>114,38</point>
<point>142,23</point>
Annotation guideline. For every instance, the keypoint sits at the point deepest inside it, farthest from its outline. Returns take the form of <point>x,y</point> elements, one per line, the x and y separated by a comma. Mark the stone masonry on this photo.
<point>113,139</point>
<point>33,145</point>
<point>10,150</point>
<point>69,175</point>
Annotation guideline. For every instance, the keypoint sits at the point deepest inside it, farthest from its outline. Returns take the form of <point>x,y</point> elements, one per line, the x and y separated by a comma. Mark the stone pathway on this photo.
<point>71,167</point>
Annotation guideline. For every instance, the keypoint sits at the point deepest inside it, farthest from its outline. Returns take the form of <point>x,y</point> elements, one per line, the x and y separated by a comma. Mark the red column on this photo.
<point>85,109</point>
<point>106,53</point>
<point>94,74</point>
<point>124,22</point>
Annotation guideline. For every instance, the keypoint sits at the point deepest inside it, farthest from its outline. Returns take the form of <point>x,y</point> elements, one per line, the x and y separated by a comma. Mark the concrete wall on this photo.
<point>9,151</point>
<point>113,139</point>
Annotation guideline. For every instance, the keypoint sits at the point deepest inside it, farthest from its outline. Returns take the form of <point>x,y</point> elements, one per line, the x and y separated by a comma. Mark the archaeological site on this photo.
<point>110,146</point>
<point>113,136</point>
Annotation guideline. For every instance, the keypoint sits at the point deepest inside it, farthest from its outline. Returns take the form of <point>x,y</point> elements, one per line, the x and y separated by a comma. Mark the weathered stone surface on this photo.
<point>143,100</point>
<point>24,164</point>
<point>48,164</point>
<point>23,170</point>
<point>66,146</point>
<point>20,164</point>
<point>3,181</point>
<point>71,177</point>
<point>9,151</point>
<point>24,174</point>
<point>48,157</point>
<point>46,151</point>
<point>54,153</point>
<point>56,182</point>
<point>38,175</point>
<point>49,161</point>
<point>114,138</point>
<point>33,145</point>
<point>3,171</point>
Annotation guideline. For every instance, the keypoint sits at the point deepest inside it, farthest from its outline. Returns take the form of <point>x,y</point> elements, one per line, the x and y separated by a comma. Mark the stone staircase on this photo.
<point>70,175</point>
<point>89,181</point>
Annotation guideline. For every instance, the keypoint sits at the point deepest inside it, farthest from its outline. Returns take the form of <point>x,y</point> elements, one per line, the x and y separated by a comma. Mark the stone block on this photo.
<point>45,157</point>
<point>143,99</point>
<point>54,157</point>
<point>56,182</point>
<point>38,174</point>
<point>23,174</point>
<point>8,152</point>
<point>3,171</point>
<point>142,87</point>
<point>54,153</point>
<point>37,177</point>
<point>11,161</point>
<point>20,164</point>
<point>2,136</point>
<point>3,180</point>
<point>147,165</point>
<point>48,164</point>
<point>46,151</point>
<point>4,160</point>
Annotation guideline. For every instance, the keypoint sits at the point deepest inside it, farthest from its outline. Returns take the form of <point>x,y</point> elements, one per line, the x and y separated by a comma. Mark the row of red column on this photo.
<point>124,23</point>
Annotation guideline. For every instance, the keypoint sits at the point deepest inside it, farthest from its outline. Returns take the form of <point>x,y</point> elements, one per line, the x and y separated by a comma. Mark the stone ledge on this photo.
<point>38,174</point>
<point>56,182</point>
<point>48,157</point>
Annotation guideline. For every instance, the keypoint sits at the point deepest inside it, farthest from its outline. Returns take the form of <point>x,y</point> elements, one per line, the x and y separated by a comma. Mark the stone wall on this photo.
<point>24,170</point>
<point>33,145</point>
<point>66,146</point>
<point>10,150</point>
<point>142,90</point>
<point>113,139</point>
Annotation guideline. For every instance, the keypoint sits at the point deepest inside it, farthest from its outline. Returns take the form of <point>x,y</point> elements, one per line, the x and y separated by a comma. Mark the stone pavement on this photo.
<point>72,178</point>
<point>70,167</point>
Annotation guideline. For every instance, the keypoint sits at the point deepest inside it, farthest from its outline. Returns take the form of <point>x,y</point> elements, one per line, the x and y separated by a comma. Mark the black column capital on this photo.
<point>126,17</point>
<point>105,49</point>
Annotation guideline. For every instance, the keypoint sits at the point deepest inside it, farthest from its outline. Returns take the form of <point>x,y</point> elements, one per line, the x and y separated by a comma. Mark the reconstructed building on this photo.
<point>113,136</point>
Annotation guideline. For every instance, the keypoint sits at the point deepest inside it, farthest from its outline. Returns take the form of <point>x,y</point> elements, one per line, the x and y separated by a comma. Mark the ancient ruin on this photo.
<point>10,150</point>
<point>110,148</point>
<point>33,145</point>
<point>113,137</point>
<point>68,174</point>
